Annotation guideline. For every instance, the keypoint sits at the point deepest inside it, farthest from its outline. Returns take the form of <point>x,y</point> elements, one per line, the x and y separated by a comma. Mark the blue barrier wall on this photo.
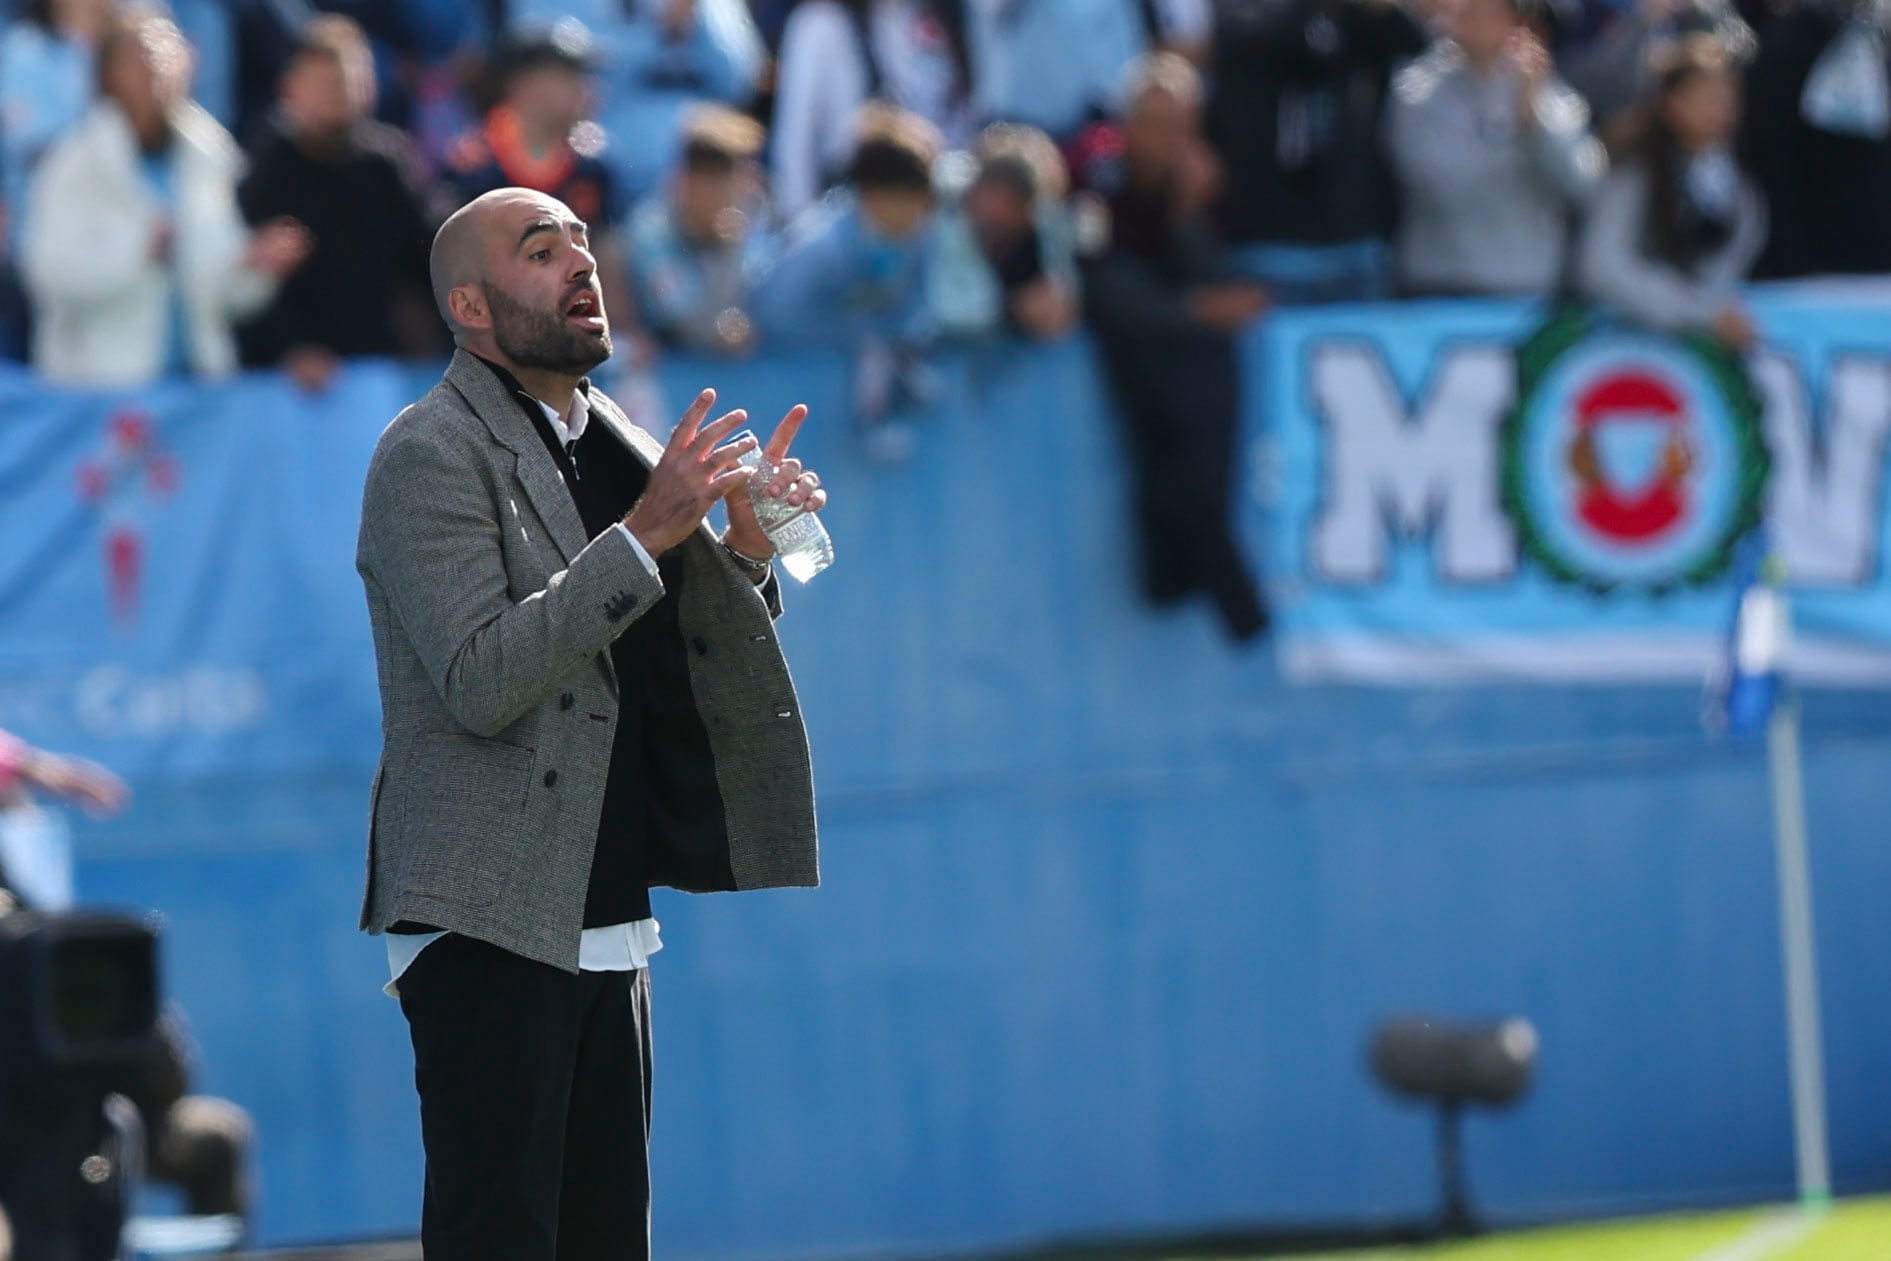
<point>1110,910</point>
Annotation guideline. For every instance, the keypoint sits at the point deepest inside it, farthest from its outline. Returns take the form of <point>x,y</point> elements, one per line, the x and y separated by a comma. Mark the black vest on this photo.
<point>662,821</point>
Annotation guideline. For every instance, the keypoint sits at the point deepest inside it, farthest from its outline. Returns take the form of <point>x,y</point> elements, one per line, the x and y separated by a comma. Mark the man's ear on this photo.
<point>467,302</point>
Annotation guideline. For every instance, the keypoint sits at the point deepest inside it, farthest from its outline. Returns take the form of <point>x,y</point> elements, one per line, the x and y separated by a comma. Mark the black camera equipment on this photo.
<point>78,1020</point>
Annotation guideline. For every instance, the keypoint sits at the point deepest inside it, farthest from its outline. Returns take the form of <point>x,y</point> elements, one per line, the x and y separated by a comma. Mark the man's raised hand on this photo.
<point>692,475</point>
<point>798,486</point>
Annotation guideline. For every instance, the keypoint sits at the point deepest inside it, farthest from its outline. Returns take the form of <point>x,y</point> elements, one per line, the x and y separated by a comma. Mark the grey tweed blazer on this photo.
<point>492,615</point>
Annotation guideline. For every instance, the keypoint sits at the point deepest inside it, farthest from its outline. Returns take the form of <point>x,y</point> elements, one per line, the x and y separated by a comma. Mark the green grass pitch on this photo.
<point>1854,1230</point>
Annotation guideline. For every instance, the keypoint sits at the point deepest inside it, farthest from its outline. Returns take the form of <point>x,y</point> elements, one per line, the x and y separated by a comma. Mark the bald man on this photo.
<point>582,698</point>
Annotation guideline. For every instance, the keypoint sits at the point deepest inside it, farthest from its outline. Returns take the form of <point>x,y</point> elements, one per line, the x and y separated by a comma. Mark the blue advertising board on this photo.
<point>1111,908</point>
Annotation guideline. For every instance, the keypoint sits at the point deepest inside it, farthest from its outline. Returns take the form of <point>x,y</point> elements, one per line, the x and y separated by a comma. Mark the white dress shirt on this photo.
<point>615,947</point>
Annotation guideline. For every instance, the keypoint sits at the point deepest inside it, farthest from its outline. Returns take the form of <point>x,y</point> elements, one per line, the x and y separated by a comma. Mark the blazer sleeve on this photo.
<point>430,540</point>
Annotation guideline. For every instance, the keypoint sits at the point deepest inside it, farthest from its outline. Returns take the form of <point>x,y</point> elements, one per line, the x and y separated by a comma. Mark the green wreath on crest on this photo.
<point>1567,328</point>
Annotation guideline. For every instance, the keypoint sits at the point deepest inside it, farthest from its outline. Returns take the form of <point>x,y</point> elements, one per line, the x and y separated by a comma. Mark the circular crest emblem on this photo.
<point>1631,461</point>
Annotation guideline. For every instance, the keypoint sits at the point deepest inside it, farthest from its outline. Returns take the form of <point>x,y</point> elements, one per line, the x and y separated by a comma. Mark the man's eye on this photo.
<point>538,254</point>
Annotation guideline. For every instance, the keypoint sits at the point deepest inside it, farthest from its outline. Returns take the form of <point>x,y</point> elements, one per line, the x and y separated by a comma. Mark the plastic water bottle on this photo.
<point>801,541</point>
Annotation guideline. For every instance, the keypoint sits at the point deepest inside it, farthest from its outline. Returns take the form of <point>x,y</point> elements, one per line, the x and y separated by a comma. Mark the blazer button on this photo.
<point>701,646</point>
<point>566,701</point>
<point>551,779</point>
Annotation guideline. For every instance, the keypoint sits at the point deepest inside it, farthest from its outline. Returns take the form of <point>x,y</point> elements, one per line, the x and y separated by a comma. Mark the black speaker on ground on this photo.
<point>1451,1065</point>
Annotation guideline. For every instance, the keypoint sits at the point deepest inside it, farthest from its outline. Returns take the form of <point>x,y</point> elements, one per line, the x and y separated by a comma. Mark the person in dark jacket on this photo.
<point>542,135</point>
<point>1818,139</point>
<point>1165,310</point>
<point>353,182</point>
<point>1296,116</point>
<point>1004,256</point>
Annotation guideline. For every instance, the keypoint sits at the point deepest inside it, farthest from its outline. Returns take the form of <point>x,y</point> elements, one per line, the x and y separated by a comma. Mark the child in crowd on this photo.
<point>1005,258</point>
<point>851,273</point>
<point>694,252</point>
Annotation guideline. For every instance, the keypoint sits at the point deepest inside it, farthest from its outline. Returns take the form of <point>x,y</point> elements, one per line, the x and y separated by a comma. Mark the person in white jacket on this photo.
<point>134,252</point>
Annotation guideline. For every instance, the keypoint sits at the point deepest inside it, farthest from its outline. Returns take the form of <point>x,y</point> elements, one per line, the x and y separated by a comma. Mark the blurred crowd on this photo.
<point>231,183</point>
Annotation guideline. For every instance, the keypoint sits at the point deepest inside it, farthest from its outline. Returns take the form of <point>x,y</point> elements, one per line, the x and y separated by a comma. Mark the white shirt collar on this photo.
<point>568,428</point>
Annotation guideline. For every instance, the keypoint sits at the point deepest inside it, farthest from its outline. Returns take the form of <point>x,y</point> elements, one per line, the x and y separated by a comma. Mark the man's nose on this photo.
<point>583,262</point>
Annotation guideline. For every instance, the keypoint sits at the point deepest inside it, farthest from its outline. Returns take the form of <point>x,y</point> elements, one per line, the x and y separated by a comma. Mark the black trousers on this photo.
<point>1178,401</point>
<point>534,1106</point>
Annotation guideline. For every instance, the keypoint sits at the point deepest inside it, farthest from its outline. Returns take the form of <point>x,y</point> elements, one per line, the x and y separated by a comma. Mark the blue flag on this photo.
<point>1747,686</point>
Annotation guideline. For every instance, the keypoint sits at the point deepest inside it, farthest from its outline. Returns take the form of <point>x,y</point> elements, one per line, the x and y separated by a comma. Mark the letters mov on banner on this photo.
<point>1493,491</point>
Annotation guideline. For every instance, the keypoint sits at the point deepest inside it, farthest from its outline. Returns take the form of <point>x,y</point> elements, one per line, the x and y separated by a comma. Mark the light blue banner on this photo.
<point>1492,490</point>
<point>169,597</point>
<point>1108,914</point>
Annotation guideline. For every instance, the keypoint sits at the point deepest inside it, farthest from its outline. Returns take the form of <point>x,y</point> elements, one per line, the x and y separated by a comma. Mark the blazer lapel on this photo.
<point>533,465</point>
<point>551,499</point>
<point>645,447</point>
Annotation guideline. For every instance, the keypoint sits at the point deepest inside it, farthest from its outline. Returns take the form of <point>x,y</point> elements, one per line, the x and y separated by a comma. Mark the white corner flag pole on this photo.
<point>1800,955</point>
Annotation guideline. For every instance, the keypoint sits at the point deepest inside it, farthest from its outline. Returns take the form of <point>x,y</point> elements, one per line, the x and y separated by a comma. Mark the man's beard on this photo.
<point>544,340</point>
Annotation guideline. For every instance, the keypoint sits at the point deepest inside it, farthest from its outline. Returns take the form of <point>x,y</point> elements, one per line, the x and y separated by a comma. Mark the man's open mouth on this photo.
<point>586,309</point>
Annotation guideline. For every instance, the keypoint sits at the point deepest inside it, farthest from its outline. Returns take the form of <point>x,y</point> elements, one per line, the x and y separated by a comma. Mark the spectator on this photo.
<point>659,59</point>
<point>1676,227</point>
<point>411,39</point>
<point>1053,64</point>
<point>47,56</point>
<point>838,54</point>
<point>541,136</point>
<point>35,848</point>
<point>851,274</point>
<point>1611,67</point>
<point>352,182</point>
<point>1006,246</point>
<point>1819,139</point>
<point>1494,157</point>
<point>694,254</point>
<point>1297,118</point>
<point>675,55</point>
<point>134,252</point>
<point>852,268</point>
<point>1165,310</point>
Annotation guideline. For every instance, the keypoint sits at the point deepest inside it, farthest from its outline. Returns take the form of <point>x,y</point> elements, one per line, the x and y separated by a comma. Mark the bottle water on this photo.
<point>801,541</point>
